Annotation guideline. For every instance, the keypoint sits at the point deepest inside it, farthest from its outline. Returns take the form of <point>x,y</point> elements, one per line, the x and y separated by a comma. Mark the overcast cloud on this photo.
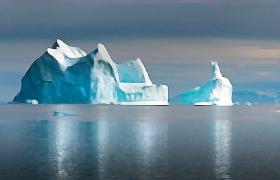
<point>145,18</point>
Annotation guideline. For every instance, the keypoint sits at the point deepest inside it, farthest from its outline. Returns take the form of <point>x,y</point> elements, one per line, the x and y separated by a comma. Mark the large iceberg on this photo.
<point>65,74</point>
<point>217,91</point>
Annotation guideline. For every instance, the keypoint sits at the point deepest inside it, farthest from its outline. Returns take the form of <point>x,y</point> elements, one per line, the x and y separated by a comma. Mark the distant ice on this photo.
<point>248,104</point>
<point>217,91</point>
<point>61,113</point>
<point>32,101</point>
<point>253,97</point>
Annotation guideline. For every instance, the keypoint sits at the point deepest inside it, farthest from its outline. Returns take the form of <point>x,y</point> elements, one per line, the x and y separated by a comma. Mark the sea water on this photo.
<point>139,142</point>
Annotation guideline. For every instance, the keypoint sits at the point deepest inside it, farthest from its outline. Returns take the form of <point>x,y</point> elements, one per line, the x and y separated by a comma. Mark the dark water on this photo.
<point>128,142</point>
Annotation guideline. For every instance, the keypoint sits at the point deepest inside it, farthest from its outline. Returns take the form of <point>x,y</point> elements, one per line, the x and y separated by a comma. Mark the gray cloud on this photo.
<point>128,18</point>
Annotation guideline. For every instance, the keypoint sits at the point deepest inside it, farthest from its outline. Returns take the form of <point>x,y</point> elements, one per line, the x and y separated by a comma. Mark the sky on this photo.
<point>176,39</point>
<point>131,18</point>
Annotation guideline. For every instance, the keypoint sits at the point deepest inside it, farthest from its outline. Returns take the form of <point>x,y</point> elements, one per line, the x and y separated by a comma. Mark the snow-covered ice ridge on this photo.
<point>65,74</point>
<point>217,91</point>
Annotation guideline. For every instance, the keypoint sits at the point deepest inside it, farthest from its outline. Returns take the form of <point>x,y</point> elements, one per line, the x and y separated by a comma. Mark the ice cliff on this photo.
<point>65,74</point>
<point>217,91</point>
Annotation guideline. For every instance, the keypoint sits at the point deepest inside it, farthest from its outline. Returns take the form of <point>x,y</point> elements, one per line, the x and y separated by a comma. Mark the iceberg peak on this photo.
<point>60,43</point>
<point>68,51</point>
<point>102,53</point>
<point>64,54</point>
<point>147,79</point>
<point>216,73</point>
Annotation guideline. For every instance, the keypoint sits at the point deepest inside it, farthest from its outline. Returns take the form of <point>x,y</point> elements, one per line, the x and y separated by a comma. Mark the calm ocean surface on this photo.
<point>139,142</point>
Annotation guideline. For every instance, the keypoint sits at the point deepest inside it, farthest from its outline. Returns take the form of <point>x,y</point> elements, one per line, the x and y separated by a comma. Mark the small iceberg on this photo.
<point>61,113</point>
<point>217,91</point>
<point>31,101</point>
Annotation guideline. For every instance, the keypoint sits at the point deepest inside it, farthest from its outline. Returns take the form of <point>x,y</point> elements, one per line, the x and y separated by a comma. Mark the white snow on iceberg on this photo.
<point>217,91</point>
<point>65,74</point>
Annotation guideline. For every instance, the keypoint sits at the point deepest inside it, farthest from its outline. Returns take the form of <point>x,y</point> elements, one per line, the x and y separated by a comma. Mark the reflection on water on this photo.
<point>146,138</point>
<point>62,139</point>
<point>152,147</point>
<point>222,141</point>
<point>151,138</point>
<point>102,145</point>
<point>126,148</point>
<point>126,143</point>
